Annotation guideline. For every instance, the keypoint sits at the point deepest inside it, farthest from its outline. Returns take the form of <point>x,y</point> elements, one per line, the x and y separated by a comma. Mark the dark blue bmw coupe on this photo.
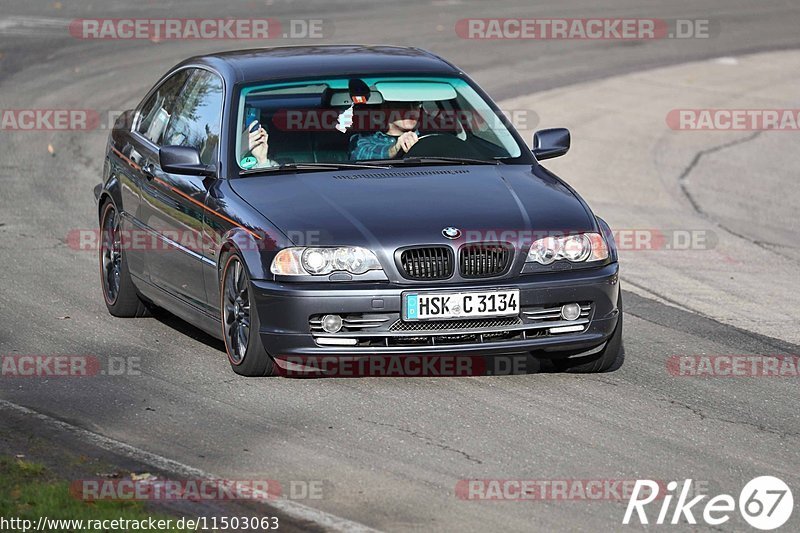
<point>351,201</point>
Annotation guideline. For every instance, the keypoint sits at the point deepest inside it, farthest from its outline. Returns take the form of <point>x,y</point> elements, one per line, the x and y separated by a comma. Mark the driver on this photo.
<point>400,136</point>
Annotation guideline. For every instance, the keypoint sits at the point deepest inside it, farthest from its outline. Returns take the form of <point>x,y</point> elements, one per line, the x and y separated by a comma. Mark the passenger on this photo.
<point>258,146</point>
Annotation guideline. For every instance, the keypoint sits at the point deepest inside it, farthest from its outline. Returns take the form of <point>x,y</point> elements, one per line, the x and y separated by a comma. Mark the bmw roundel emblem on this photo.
<point>451,232</point>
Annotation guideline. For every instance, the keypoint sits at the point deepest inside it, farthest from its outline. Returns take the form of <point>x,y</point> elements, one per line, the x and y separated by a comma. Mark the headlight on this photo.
<point>579,248</point>
<point>321,261</point>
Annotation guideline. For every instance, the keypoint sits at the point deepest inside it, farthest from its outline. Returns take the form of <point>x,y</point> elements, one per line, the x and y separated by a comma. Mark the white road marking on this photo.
<point>288,507</point>
<point>32,25</point>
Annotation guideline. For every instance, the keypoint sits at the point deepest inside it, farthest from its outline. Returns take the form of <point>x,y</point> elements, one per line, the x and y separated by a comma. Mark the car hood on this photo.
<point>402,206</point>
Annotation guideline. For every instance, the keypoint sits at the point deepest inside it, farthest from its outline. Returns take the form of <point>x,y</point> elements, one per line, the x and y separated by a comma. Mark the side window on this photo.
<point>196,121</point>
<point>155,112</point>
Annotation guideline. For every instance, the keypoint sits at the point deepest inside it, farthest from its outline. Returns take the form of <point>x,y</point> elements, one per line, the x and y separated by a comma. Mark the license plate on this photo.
<point>471,304</point>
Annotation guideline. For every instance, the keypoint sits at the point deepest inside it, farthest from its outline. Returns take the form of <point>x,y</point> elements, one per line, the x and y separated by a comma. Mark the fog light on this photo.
<point>570,311</point>
<point>332,323</point>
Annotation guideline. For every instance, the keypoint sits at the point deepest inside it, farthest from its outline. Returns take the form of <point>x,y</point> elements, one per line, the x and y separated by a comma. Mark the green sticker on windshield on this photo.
<point>248,162</point>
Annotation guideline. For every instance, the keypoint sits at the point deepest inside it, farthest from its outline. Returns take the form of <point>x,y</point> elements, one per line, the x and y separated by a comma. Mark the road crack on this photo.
<point>683,182</point>
<point>682,179</point>
<point>427,440</point>
<point>703,417</point>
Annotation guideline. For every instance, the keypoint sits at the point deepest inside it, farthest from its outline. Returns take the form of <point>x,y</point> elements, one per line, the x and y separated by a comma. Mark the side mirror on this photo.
<point>550,143</point>
<point>183,160</point>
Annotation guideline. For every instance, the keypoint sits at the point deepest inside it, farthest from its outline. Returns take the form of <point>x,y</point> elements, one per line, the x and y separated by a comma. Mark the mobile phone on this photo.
<point>254,126</point>
<point>250,114</point>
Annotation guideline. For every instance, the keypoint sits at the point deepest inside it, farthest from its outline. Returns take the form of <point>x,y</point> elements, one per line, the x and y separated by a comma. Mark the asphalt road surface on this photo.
<point>390,451</point>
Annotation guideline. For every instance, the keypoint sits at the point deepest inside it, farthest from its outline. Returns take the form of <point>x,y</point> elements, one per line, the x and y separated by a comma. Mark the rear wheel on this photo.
<point>599,362</point>
<point>119,292</point>
<point>240,324</point>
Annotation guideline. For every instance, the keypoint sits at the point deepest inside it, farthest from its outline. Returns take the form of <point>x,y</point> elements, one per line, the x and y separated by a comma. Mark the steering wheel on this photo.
<point>442,145</point>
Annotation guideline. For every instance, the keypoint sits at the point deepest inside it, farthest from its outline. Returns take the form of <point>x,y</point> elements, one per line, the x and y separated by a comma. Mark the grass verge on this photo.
<point>28,491</point>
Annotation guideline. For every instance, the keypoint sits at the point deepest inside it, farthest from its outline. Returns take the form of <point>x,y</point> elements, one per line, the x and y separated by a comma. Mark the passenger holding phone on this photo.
<point>258,146</point>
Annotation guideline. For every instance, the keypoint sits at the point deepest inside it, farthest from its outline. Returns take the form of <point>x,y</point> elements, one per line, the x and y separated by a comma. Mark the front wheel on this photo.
<point>240,323</point>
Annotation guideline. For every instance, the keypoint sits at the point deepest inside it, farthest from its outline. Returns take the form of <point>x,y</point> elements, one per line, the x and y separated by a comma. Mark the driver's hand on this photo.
<point>258,144</point>
<point>406,141</point>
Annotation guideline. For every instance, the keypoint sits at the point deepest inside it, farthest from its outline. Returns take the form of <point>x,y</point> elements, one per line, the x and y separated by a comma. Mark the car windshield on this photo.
<point>369,120</point>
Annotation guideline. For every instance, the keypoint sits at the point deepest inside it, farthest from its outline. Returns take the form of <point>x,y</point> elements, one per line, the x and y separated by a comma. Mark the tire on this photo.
<point>600,362</point>
<point>239,321</point>
<point>120,294</point>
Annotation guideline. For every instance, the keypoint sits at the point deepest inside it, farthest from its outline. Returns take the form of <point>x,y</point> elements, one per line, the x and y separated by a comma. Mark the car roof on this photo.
<point>260,64</point>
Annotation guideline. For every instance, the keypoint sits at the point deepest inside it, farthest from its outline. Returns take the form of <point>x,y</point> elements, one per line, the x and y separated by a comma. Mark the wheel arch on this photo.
<point>109,191</point>
<point>250,249</point>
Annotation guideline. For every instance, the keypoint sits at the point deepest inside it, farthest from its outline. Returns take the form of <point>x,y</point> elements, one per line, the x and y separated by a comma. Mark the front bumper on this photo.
<point>285,309</point>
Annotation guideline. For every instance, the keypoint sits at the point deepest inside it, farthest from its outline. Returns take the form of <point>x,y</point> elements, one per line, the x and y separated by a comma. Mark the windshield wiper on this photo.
<point>382,164</point>
<point>437,160</point>
<point>308,167</point>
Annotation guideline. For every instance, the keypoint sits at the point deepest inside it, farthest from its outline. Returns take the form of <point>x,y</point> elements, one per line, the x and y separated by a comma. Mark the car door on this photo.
<point>141,149</point>
<point>174,205</point>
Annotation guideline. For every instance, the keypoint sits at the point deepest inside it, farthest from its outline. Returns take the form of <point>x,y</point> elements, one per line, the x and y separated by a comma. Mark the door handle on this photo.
<point>149,171</point>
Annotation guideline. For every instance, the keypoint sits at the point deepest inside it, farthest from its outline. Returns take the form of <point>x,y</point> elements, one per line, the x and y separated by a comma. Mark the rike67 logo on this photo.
<point>765,503</point>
